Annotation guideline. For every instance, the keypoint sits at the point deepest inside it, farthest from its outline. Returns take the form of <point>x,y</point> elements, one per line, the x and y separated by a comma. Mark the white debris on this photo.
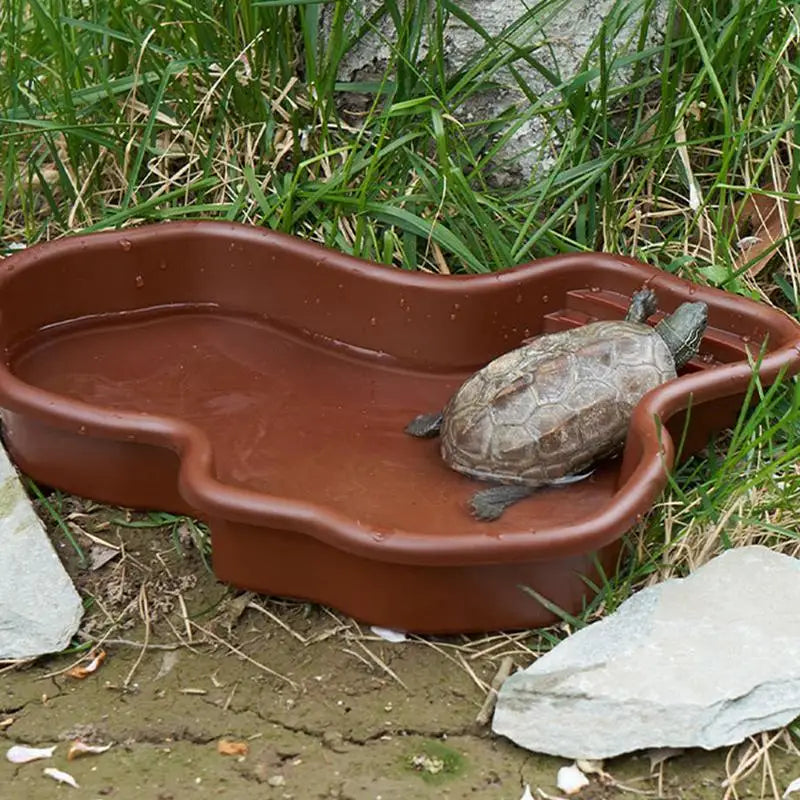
<point>571,780</point>
<point>21,754</point>
<point>794,786</point>
<point>99,556</point>
<point>746,242</point>
<point>388,634</point>
<point>78,749</point>
<point>60,776</point>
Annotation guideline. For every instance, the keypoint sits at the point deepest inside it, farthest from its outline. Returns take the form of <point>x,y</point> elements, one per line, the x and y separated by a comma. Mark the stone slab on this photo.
<point>703,661</point>
<point>40,610</point>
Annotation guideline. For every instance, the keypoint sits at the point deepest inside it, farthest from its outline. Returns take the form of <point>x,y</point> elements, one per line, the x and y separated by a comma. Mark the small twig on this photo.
<point>243,655</point>
<point>754,755</point>
<point>144,610</point>
<point>142,645</point>
<point>165,566</point>
<point>96,539</point>
<point>229,698</point>
<point>503,671</point>
<point>188,645</point>
<point>185,616</point>
<point>624,787</point>
<point>365,661</point>
<point>96,646</point>
<point>504,640</point>
<point>12,664</point>
<point>479,682</point>
<point>256,607</point>
<point>381,663</point>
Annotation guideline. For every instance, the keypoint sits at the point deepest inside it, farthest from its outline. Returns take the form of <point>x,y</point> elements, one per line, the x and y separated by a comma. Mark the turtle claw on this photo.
<point>572,478</point>
<point>485,509</point>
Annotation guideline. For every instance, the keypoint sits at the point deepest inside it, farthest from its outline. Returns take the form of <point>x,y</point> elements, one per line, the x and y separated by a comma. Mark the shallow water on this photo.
<point>289,414</point>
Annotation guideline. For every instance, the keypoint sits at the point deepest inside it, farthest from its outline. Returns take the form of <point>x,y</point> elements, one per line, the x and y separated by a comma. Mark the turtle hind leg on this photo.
<point>425,425</point>
<point>643,305</point>
<point>489,504</point>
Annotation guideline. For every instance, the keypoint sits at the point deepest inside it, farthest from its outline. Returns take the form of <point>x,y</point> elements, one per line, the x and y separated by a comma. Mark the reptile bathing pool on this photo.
<point>261,383</point>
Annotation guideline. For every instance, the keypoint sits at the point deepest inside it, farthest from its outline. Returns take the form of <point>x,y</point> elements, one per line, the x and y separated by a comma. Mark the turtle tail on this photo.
<point>425,426</point>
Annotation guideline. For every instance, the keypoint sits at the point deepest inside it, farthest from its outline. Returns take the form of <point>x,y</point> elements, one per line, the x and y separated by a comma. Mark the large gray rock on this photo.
<point>558,34</point>
<point>704,661</point>
<point>39,607</point>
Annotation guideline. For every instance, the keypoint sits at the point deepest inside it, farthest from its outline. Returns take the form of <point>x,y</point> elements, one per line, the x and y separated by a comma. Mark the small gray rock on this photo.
<point>39,608</point>
<point>703,661</point>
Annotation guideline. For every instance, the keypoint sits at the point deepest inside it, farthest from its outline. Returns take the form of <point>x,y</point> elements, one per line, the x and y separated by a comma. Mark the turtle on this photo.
<point>544,412</point>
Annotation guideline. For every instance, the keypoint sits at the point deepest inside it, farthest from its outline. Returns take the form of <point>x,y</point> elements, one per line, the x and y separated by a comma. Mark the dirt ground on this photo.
<point>326,708</point>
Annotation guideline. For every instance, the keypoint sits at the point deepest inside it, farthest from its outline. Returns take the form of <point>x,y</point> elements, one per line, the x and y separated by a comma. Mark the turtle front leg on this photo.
<point>489,504</point>
<point>425,426</point>
<point>643,305</point>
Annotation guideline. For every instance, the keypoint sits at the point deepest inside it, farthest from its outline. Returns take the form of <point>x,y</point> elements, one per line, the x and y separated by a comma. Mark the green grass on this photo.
<point>118,112</point>
<point>115,112</point>
<point>180,527</point>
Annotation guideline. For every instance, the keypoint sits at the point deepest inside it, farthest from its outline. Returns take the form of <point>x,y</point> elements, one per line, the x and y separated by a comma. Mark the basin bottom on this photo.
<point>289,414</point>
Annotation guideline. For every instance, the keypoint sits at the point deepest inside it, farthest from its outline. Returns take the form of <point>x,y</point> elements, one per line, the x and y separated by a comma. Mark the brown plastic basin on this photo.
<point>261,382</point>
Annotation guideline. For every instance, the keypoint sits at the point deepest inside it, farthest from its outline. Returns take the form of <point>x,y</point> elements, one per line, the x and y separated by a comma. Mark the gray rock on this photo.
<point>558,34</point>
<point>703,661</point>
<point>39,608</point>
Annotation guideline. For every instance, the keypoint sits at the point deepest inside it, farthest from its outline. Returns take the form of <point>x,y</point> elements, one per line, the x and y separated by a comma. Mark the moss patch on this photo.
<point>435,762</point>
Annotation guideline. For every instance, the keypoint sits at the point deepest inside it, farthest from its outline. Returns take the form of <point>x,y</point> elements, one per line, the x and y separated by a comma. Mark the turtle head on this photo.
<point>683,329</point>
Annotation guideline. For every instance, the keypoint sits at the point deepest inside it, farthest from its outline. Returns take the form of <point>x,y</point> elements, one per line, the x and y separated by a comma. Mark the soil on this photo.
<point>324,706</point>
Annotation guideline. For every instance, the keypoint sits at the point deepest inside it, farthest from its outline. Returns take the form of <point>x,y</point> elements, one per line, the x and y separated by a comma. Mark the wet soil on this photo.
<point>325,707</point>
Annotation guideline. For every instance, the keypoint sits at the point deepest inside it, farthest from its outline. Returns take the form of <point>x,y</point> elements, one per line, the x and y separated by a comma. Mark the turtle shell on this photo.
<point>552,407</point>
